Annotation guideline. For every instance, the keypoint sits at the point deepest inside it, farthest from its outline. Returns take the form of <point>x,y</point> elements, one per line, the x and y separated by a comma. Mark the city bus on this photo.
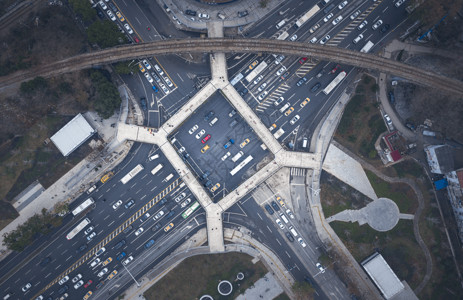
<point>78,228</point>
<point>335,82</point>
<point>83,206</point>
<point>132,174</point>
<point>190,210</point>
<point>156,169</point>
<point>309,14</point>
<point>256,71</point>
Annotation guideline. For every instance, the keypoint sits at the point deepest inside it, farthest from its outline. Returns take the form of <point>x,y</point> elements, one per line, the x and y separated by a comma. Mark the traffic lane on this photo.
<point>152,257</point>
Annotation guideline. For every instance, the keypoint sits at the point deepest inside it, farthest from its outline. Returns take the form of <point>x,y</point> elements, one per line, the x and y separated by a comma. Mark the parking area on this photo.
<point>219,146</point>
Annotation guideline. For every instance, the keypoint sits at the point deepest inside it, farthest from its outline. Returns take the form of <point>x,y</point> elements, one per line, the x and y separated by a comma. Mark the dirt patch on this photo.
<point>200,275</point>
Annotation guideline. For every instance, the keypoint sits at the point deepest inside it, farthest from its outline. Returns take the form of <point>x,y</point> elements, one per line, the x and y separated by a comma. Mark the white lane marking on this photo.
<point>111,223</point>
<point>180,77</point>
<point>288,254</point>
<point>69,258</point>
<point>278,242</point>
<point>269,229</point>
<point>260,216</point>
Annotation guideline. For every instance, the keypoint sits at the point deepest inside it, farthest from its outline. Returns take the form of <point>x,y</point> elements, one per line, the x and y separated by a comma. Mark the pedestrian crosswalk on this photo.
<point>297,172</point>
<point>277,93</point>
<point>340,36</point>
<point>307,67</point>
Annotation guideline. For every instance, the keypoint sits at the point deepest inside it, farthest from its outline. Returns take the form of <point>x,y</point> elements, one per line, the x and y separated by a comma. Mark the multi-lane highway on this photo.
<point>137,236</point>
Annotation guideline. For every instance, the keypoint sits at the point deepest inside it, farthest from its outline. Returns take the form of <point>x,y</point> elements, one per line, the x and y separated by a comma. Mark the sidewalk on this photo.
<point>229,11</point>
<point>78,179</point>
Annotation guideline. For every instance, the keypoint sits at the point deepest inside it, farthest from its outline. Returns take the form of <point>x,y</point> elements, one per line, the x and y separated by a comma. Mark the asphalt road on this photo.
<point>15,271</point>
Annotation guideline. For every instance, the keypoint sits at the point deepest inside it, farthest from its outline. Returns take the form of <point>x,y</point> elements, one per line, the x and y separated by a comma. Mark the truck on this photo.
<point>278,133</point>
<point>156,169</point>
<point>237,156</point>
<point>367,47</point>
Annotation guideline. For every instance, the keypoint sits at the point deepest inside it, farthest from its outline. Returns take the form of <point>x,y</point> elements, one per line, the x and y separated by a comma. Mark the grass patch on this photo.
<point>337,196</point>
<point>408,168</point>
<point>361,123</point>
<point>200,275</point>
<point>282,296</point>
<point>400,193</point>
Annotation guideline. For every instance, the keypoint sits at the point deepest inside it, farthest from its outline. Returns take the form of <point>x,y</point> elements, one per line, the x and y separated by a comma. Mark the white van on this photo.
<point>156,169</point>
<point>304,142</point>
<point>284,218</point>
<point>153,157</point>
<point>285,107</point>
<point>293,231</point>
<point>173,140</point>
<point>91,189</point>
<point>281,24</point>
<point>168,177</point>
<point>237,156</point>
<point>211,123</point>
<point>221,16</point>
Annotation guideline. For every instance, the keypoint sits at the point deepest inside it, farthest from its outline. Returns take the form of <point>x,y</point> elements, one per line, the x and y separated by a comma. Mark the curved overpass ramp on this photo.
<point>230,45</point>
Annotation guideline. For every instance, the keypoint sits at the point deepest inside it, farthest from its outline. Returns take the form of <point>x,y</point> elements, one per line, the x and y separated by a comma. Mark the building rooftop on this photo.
<point>382,275</point>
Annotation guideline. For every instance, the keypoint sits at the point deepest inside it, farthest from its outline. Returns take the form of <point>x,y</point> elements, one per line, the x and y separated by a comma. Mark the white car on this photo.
<point>281,71</point>
<point>262,96</point>
<point>290,214</point>
<point>301,241</point>
<point>147,65</point>
<point>95,262</point>
<point>355,14</point>
<point>262,87</point>
<point>164,89</point>
<point>181,150</point>
<point>185,203</point>
<point>26,287</point>
<point>127,27</point>
<point>91,236</point>
<point>200,134</point>
<point>77,278</point>
<point>79,284</point>
<point>63,280</point>
<point>325,39</point>
<point>127,261</point>
<point>159,70</point>
<point>293,38</point>
<point>180,197</point>
<point>256,81</point>
<point>111,15</point>
<point>399,3</point>
<point>313,40</point>
<point>363,24</point>
<point>328,17</point>
<point>117,204</point>
<point>153,157</point>
<point>278,221</point>
<point>320,267</point>
<point>158,215</point>
<point>204,16</point>
<point>193,129</point>
<point>357,39</point>
<point>388,119</point>
<point>101,251</point>
<point>377,24</point>
<point>88,230</point>
<point>226,156</point>
<point>294,120</point>
<point>342,5</point>
<point>102,272</point>
<point>139,231</point>
<point>150,79</point>
<point>103,5</point>
<point>169,83</point>
<point>337,20</point>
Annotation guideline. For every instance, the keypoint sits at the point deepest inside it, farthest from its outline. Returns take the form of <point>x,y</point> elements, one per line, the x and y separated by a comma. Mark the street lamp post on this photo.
<point>138,284</point>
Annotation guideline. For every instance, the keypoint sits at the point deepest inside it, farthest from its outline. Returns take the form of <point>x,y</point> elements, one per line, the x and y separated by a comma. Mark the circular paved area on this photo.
<point>382,214</point>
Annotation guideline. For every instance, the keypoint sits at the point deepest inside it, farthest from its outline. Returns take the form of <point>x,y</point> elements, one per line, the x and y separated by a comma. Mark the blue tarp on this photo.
<point>441,184</point>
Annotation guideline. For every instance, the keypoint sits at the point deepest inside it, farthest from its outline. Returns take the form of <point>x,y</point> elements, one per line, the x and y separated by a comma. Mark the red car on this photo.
<point>206,138</point>
<point>335,69</point>
<point>88,283</point>
<point>302,60</point>
<point>136,39</point>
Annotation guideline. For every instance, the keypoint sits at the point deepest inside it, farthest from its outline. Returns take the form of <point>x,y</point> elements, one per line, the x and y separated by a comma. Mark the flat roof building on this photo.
<point>72,135</point>
<point>382,275</point>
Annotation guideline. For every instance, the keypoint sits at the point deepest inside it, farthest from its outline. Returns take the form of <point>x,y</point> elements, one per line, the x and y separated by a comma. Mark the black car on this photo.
<point>269,209</point>
<point>130,204</point>
<point>243,92</point>
<point>284,76</point>
<point>119,245</point>
<point>275,206</point>
<point>81,248</point>
<point>156,227</point>
<point>128,229</point>
<point>316,87</point>
<point>289,236</point>
<point>45,261</point>
<point>63,290</point>
<point>170,215</point>
<point>208,183</point>
<point>243,13</point>
<point>208,116</point>
<point>143,103</point>
<point>206,174</point>
<point>164,200</point>
<point>301,81</point>
<point>99,285</point>
<point>113,7</point>
<point>385,28</point>
<point>190,12</point>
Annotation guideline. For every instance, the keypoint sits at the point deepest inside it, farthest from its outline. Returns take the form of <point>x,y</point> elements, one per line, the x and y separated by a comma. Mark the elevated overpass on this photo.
<point>239,45</point>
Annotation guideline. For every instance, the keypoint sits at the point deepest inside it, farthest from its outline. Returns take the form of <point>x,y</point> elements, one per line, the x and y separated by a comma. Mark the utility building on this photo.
<point>72,135</point>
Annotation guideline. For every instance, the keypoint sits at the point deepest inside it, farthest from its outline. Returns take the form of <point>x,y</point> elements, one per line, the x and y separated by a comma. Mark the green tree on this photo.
<point>32,86</point>
<point>84,9</point>
<point>107,99</point>
<point>105,34</point>
<point>123,68</point>
<point>303,290</point>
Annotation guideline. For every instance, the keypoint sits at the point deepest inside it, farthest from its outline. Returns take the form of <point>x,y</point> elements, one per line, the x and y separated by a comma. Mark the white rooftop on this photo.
<point>382,275</point>
<point>72,135</point>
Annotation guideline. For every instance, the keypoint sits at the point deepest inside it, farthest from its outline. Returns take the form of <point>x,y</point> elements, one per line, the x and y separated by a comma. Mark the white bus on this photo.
<point>256,71</point>
<point>156,169</point>
<point>241,165</point>
<point>283,36</point>
<point>367,47</point>
<point>278,133</point>
<point>237,156</point>
<point>132,174</point>
<point>168,177</point>
<point>307,16</point>
<point>334,83</point>
<point>78,228</point>
<point>83,206</point>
